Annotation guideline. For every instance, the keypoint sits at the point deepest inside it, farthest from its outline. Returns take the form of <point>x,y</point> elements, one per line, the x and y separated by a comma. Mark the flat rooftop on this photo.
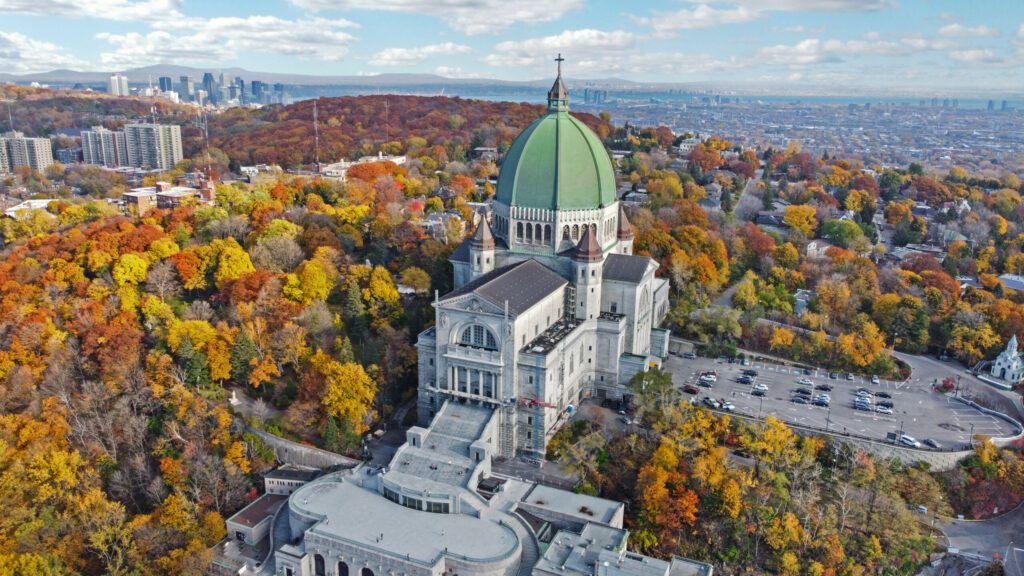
<point>580,553</point>
<point>259,510</point>
<point>587,508</point>
<point>395,530</point>
<point>444,455</point>
<point>547,340</point>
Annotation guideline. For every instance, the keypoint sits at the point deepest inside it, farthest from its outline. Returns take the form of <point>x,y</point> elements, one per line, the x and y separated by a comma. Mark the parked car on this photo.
<point>833,375</point>
<point>758,392</point>
<point>705,382</point>
<point>823,402</point>
<point>689,355</point>
<point>728,406</point>
<point>745,380</point>
<point>883,395</point>
<point>887,404</point>
<point>932,443</point>
<point>746,362</point>
<point>864,394</point>
<point>750,372</point>
<point>691,389</point>
<point>849,376</point>
<point>823,396</point>
<point>909,441</point>
<point>625,421</point>
<point>803,392</point>
<point>761,386</point>
<point>799,400</point>
<point>805,381</point>
<point>875,380</point>
<point>825,387</point>
<point>711,403</point>
<point>807,371</point>
<point>883,410</point>
<point>863,407</point>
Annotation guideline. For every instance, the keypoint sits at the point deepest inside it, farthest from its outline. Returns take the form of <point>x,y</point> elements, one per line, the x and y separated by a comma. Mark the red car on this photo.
<point>690,389</point>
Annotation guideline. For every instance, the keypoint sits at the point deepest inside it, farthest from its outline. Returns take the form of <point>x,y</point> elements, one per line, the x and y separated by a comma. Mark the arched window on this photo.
<point>575,231</point>
<point>536,232</point>
<point>593,229</point>
<point>366,572</point>
<point>547,232</point>
<point>529,233</point>
<point>565,232</point>
<point>519,231</point>
<point>319,567</point>
<point>342,567</point>
<point>478,337</point>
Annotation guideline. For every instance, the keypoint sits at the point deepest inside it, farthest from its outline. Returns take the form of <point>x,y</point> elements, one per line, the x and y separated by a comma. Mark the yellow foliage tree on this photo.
<point>349,391</point>
<point>803,218</point>
<point>781,338</point>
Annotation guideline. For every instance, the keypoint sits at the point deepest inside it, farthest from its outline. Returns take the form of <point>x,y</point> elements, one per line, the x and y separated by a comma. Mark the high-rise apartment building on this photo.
<point>166,84</point>
<point>35,153</point>
<point>118,85</point>
<point>153,146</point>
<point>104,147</point>
<point>5,165</point>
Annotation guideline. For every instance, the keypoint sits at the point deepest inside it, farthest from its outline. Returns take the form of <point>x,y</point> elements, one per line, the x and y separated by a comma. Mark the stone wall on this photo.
<point>289,452</point>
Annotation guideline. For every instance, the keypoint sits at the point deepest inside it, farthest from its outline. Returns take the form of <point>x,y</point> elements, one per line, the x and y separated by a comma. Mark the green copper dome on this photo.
<point>557,163</point>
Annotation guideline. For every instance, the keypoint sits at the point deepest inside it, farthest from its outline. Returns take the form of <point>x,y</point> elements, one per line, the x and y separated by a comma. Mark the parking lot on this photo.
<point>917,410</point>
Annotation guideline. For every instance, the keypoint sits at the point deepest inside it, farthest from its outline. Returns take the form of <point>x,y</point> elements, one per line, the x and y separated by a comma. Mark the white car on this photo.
<point>875,380</point>
<point>864,394</point>
<point>805,381</point>
<point>909,441</point>
<point>728,406</point>
<point>762,387</point>
<point>883,410</point>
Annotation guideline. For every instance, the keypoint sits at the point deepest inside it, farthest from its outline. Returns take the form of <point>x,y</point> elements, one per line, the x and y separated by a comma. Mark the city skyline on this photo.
<point>877,44</point>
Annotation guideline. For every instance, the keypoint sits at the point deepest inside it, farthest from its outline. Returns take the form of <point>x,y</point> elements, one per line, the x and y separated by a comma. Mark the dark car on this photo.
<point>758,392</point>
<point>886,403</point>
<point>807,371</point>
<point>803,391</point>
<point>833,375</point>
<point>799,400</point>
<point>690,389</point>
<point>883,395</point>
<point>862,406</point>
<point>825,387</point>
<point>745,380</point>
<point>750,372</point>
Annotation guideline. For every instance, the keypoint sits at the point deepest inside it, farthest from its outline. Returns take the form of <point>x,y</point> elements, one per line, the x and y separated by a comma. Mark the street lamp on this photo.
<point>759,407</point>
<point>828,418</point>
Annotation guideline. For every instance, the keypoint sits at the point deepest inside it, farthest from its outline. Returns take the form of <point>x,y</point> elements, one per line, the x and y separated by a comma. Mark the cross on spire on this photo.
<point>559,60</point>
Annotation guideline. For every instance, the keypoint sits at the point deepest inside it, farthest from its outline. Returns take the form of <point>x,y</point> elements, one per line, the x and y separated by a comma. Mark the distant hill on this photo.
<point>352,126</point>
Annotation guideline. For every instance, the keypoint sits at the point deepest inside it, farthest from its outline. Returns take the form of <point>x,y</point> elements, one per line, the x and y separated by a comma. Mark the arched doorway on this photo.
<point>342,569</point>
<point>319,566</point>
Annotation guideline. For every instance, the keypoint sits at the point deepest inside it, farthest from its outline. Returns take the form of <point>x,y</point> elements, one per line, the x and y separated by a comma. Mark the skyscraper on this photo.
<point>258,88</point>
<point>104,147</point>
<point>210,85</point>
<point>188,89</point>
<point>118,85</point>
<point>166,84</point>
<point>153,146</point>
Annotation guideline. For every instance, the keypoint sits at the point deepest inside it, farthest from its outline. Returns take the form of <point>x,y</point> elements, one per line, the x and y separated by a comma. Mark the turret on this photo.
<point>625,232</point>
<point>587,261</point>
<point>481,249</point>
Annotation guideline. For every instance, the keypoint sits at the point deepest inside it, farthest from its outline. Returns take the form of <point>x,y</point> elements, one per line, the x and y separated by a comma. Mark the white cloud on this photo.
<point>219,40</point>
<point>816,51</point>
<point>469,16</point>
<point>813,5</point>
<point>533,52</point>
<point>409,56</point>
<point>101,9</point>
<point>958,30</point>
<point>455,72</point>
<point>702,16</point>
<point>975,56</point>
<point>20,54</point>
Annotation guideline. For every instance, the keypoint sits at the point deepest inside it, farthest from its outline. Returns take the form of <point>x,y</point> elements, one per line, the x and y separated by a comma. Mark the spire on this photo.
<point>483,238</point>
<point>1011,346</point>
<point>588,250</point>
<point>558,96</point>
<point>625,231</point>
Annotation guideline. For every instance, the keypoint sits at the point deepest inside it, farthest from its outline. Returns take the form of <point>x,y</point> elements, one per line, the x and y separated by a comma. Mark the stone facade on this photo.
<point>1009,365</point>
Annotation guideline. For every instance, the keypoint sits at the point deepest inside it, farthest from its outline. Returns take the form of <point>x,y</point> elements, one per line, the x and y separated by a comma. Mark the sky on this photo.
<point>954,45</point>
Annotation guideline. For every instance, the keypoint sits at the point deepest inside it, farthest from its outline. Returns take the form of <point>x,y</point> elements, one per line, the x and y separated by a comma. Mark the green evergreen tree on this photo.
<point>355,311</point>
<point>726,201</point>
<point>345,352</point>
<point>242,353</point>
<point>197,374</point>
<point>332,435</point>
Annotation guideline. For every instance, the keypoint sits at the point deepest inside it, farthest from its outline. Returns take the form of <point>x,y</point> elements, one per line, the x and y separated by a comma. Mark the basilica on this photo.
<point>550,304</point>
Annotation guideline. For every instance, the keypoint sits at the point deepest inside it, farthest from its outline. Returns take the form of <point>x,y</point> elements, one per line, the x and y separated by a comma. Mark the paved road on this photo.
<point>1003,535</point>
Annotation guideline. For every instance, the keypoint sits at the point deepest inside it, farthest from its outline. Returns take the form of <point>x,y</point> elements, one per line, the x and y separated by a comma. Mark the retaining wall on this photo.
<point>289,452</point>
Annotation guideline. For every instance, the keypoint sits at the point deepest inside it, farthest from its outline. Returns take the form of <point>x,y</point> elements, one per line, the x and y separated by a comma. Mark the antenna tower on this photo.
<point>316,137</point>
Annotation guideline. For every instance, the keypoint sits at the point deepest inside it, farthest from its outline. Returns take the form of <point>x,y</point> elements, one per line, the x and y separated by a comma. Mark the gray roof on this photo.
<point>522,285</point>
<point>461,253</point>
<point>625,267</point>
